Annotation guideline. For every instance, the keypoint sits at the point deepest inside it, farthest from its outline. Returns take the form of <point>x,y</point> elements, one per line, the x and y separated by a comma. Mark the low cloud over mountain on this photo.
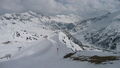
<point>81,7</point>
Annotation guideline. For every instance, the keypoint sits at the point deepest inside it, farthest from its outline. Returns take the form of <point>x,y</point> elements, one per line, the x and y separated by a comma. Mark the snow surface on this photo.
<point>33,44</point>
<point>44,55</point>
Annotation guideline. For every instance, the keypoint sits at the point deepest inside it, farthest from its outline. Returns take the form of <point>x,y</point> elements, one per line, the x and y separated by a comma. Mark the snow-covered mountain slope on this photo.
<point>61,18</point>
<point>70,41</point>
<point>96,23</point>
<point>77,45</point>
<point>29,23</point>
<point>30,40</point>
<point>106,36</point>
<point>60,21</point>
<point>92,24</point>
<point>20,30</point>
<point>20,26</point>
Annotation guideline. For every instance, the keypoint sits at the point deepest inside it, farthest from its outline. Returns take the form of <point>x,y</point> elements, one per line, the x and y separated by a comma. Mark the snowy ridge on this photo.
<point>67,40</point>
<point>61,18</point>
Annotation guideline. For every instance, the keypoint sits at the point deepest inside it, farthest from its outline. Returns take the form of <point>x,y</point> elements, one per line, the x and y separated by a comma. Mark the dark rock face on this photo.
<point>92,59</point>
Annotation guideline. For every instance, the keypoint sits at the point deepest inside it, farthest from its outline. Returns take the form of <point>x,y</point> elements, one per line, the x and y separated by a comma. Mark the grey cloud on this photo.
<point>59,6</point>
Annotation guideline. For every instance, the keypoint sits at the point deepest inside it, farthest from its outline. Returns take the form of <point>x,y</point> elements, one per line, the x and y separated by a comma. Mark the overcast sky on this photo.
<point>59,6</point>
